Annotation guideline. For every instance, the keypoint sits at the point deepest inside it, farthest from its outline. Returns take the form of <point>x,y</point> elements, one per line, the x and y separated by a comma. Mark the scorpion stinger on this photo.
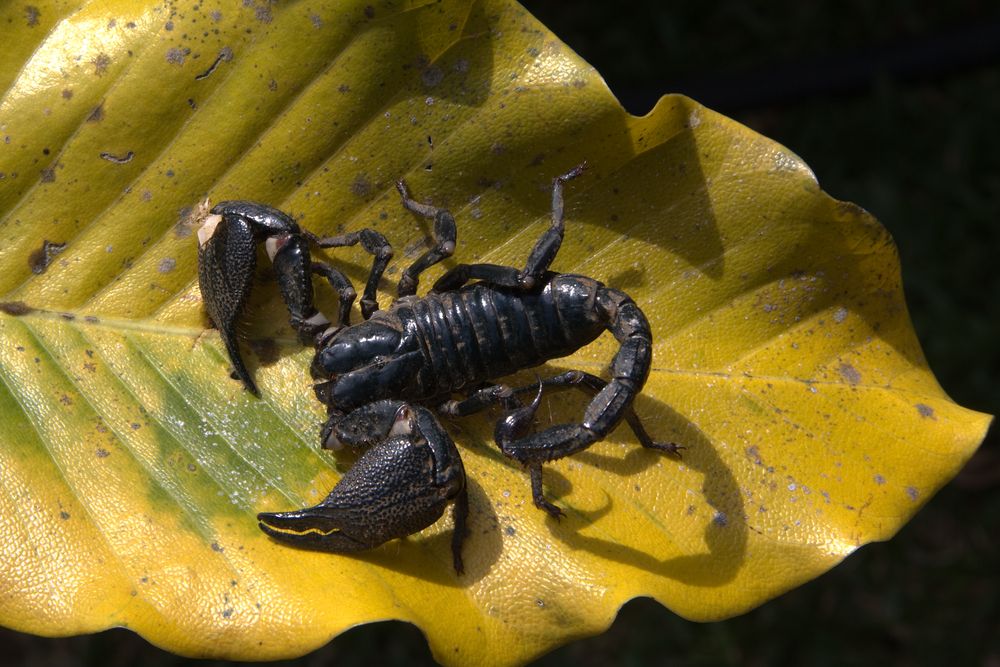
<point>399,486</point>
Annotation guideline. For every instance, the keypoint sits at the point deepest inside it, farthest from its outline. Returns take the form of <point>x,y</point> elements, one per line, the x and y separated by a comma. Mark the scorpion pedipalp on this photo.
<point>400,485</point>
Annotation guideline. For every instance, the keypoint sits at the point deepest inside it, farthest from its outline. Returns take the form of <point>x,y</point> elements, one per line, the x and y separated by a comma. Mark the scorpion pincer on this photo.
<point>380,379</point>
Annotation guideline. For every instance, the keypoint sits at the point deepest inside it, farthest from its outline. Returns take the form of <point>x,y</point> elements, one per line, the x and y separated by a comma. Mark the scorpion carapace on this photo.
<point>381,378</point>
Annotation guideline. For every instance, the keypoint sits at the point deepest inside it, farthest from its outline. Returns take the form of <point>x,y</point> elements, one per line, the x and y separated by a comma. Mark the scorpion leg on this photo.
<point>515,423</point>
<point>548,244</point>
<point>374,244</point>
<point>227,251</point>
<point>539,259</point>
<point>400,485</point>
<point>345,291</point>
<point>445,234</point>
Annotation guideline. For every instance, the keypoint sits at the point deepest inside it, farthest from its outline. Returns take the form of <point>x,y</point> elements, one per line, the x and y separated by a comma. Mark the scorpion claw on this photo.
<point>309,529</point>
<point>399,486</point>
<point>227,257</point>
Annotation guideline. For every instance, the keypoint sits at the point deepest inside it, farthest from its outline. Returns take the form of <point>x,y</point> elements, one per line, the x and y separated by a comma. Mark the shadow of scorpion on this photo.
<point>377,378</point>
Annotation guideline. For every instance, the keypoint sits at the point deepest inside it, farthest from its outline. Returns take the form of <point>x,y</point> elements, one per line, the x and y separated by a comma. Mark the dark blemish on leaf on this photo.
<point>369,12</point>
<point>432,76</point>
<point>168,26</point>
<point>191,103</point>
<point>226,613</point>
<point>533,52</point>
<point>263,14</point>
<point>45,151</point>
<point>146,195</point>
<point>69,317</point>
<point>540,603</point>
<point>880,480</point>
<point>15,308</point>
<point>720,519</point>
<point>63,514</point>
<point>272,85</point>
<point>754,455</point>
<point>90,367</point>
<point>361,186</point>
<point>510,531</point>
<point>110,157</point>
<point>265,349</point>
<point>912,493</point>
<point>343,88</point>
<point>840,315</point>
<point>316,21</point>
<point>135,426</point>
<point>216,547</point>
<point>31,13</point>
<point>850,374</point>
<point>97,115</point>
<point>40,259</point>
<point>192,467</point>
<point>100,63</point>
<point>216,15</point>
<point>175,56</point>
<point>925,410</point>
<point>91,319</point>
<point>462,65</point>
<point>166,265</point>
<point>579,83</point>
<point>225,55</point>
<point>49,174</point>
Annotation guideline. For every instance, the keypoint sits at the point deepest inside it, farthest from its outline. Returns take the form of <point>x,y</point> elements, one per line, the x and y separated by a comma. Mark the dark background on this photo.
<point>896,106</point>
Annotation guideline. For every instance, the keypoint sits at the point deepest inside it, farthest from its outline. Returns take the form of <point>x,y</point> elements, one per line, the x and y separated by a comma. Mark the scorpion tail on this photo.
<point>612,403</point>
<point>629,370</point>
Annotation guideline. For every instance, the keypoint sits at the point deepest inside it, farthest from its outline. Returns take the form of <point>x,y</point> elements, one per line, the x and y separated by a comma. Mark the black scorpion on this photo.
<point>379,377</point>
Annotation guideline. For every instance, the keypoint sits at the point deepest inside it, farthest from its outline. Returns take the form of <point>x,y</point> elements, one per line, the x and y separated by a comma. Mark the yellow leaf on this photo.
<point>132,466</point>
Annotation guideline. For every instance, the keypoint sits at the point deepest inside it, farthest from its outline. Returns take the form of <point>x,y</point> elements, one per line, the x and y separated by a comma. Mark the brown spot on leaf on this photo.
<point>361,186</point>
<point>850,374</point>
<point>40,259</point>
<point>15,308</point>
<point>118,159</point>
<point>175,56</point>
<point>925,411</point>
<point>31,13</point>
<point>100,63</point>
<point>97,115</point>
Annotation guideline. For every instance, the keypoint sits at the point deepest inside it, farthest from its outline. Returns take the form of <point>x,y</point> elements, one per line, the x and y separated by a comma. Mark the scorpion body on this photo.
<point>381,378</point>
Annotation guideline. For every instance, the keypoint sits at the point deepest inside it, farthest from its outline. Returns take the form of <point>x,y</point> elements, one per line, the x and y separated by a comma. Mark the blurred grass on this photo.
<point>921,151</point>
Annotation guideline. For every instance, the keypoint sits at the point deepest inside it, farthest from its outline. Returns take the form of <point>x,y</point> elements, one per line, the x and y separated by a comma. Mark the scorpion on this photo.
<point>383,379</point>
